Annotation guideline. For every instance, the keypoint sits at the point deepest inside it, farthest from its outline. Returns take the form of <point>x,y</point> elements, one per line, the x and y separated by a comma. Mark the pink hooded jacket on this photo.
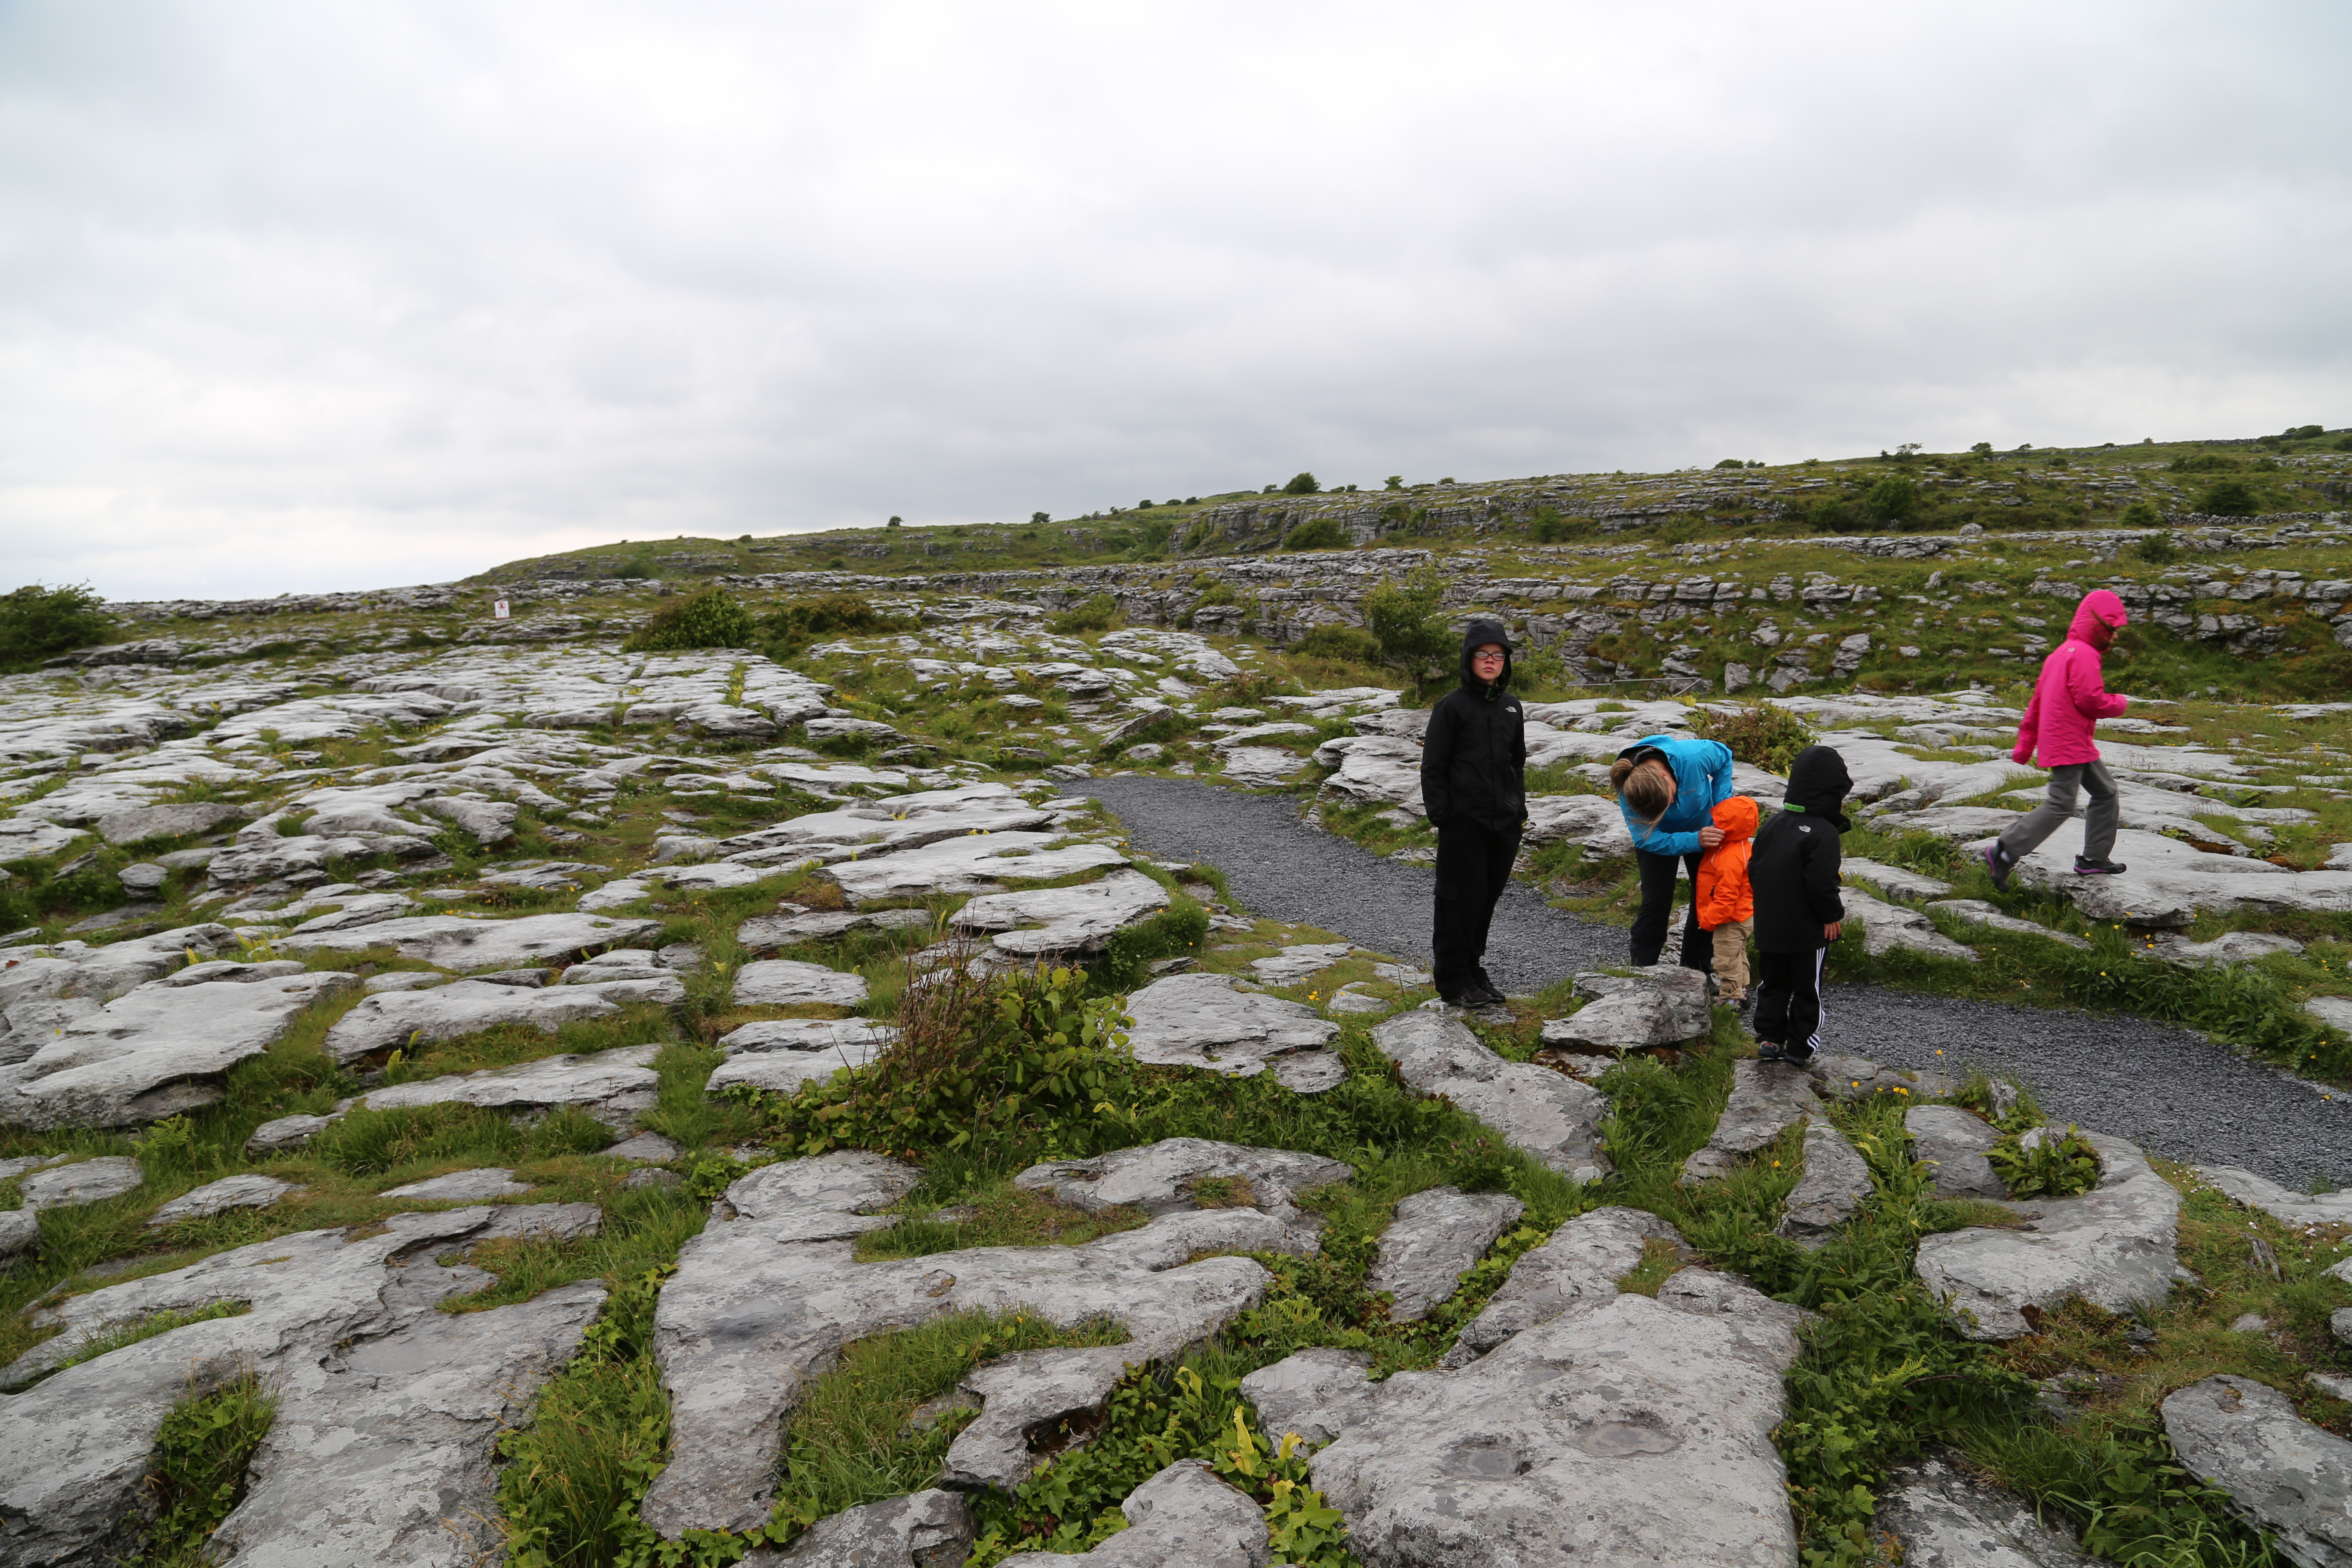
<point>2071,695</point>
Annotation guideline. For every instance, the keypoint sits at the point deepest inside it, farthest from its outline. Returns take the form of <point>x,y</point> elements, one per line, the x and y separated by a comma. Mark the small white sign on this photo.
<point>500,609</point>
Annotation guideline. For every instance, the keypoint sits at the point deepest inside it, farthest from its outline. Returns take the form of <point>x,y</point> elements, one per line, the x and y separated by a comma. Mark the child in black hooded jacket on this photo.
<point>1794,874</point>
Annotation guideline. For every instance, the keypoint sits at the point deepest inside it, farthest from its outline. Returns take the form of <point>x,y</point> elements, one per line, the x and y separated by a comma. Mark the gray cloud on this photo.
<point>297,297</point>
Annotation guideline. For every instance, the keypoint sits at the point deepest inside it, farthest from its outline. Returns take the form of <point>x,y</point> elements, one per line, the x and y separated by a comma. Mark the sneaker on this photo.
<point>1797,1056</point>
<point>1767,1052</point>
<point>2085,866</point>
<point>1997,862</point>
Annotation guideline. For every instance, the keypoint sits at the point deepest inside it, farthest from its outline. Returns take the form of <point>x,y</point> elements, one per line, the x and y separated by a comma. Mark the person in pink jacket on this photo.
<point>2070,698</point>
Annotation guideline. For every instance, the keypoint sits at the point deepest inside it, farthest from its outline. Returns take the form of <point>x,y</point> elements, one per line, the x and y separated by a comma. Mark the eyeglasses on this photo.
<point>1489,657</point>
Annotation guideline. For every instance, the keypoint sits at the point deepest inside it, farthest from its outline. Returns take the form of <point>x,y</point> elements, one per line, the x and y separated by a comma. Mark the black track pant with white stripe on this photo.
<point>1788,999</point>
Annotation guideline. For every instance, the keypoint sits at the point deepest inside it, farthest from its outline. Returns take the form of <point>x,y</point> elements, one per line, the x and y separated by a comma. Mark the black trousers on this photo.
<point>1474,866</point>
<point>1788,998</point>
<point>1658,909</point>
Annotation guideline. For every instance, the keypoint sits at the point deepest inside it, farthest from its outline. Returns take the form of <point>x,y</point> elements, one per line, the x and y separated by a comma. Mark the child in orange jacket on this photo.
<point>1726,905</point>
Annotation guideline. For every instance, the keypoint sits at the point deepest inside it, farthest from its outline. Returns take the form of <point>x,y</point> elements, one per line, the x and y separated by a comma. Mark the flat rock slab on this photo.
<point>789,982</point>
<point>761,1300</point>
<point>248,1191</point>
<point>824,925</point>
<point>1314,1394</point>
<point>1946,1519</point>
<point>84,1181</point>
<point>462,1187</point>
<point>388,1410</point>
<point>1835,1182</point>
<point>1894,882</point>
<point>786,1071</point>
<point>1855,1078</point>
<point>2294,1208</point>
<point>389,1020</point>
<point>1436,1237</point>
<point>1954,1145</point>
<point>1206,1021</point>
<point>1262,767</point>
<point>2230,947</point>
<point>1577,1269</point>
<point>1886,926</point>
<point>1166,1177</point>
<point>1295,963</point>
<point>1663,1005</point>
<point>1766,1099</point>
<point>612,1086</point>
<point>2283,1473</point>
<point>1032,1391</point>
<point>1593,823</point>
<point>156,1051</point>
<point>452,941</point>
<point>2114,1245</point>
<point>772,1036</point>
<point>1635,1430</point>
<point>927,1530</point>
<point>1977,912</point>
<point>1185,1517</point>
<point>973,864</point>
<point>141,823</point>
<point>1045,920</point>
<point>1549,1114</point>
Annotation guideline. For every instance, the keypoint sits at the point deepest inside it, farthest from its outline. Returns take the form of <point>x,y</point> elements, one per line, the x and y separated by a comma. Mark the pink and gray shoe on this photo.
<point>1999,863</point>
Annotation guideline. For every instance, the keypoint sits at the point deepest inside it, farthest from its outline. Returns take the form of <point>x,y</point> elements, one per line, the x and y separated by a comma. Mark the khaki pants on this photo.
<point>1731,957</point>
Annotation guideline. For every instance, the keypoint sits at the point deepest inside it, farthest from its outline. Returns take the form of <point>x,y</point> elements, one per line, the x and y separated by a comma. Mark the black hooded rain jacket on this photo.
<point>1794,868</point>
<point>1474,757</point>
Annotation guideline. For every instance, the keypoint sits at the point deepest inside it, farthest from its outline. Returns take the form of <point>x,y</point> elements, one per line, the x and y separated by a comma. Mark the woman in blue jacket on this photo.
<point>1668,787</point>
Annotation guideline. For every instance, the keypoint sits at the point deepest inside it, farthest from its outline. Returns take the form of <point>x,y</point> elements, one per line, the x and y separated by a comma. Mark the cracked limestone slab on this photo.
<point>2230,947</point>
<point>969,864</point>
<point>887,825</point>
<point>1835,1182</point>
<point>789,982</point>
<point>1295,963</point>
<point>1047,921</point>
<point>1766,1099</point>
<point>1885,927</point>
<point>1262,767</point>
<point>1578,1268</point>
<point>783,1070</point>
<point>823,925</point>
<point>388,1410</point>
<point>1894,881</point>
<point>1165,1178</point>
<point>452,941</point>
<point>1591,822</point>
<point>2115,1246</point>
<point>1661,1004</point>
<point>1977,912</point>
<point>1314,1394</point>
<point>1207,1021</point>
<point>1549,1114</point>
<point>1020,1394</point>
<point>929,1529</point>
<point>391,1019</point>
<point>1631,1430</point>
<point>247,1190</point>
<point>1946,1519</point>
<point>1436,1237</point>
<point>1185,1517</point>
<point>764,1299</point>
<point>2283,1473</point>
<point>82,1181</point>
<point>2292,1209</point>
<point>473,1186</point>
<point>157,1050</point>
<point>612,1086</point>
<point>1373,770</point>
<point>1954,1145</point>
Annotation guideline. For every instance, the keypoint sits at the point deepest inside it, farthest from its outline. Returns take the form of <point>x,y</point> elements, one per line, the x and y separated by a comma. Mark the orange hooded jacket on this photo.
<point>1724,895</point>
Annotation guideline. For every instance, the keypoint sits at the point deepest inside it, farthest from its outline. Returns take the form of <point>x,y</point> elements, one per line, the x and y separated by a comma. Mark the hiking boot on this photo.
<point>1480,996</point>
<point>1998,861</point>
<point>2086,866</point>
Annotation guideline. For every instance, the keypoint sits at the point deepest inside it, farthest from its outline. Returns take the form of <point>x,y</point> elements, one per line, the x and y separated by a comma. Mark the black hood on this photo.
<point>1818,784</point>
<point>1479,635</point>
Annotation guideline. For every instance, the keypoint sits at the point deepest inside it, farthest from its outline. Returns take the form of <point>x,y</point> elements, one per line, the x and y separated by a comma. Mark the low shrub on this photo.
<point>1346,644</point>
<point>2229,497</point>
<point>1761,736</point>
<point>38,623</point>
<point>708,619</point>
<point>1317,533</point>
<point>2156,549</point>
<point>2052,1167</point>
<point>793,627</point>
<point>1098,613</point>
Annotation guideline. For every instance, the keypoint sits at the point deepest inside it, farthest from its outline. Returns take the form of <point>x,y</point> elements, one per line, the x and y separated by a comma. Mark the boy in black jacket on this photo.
<point>1794,873</point>
<point>1473,759</point>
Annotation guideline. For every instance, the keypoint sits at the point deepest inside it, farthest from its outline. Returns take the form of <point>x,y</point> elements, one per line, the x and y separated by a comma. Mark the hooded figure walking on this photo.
<point>2069,699</point>
<point>1473,763</point>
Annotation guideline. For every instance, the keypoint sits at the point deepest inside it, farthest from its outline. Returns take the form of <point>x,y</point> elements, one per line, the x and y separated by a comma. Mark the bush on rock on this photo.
<point>710,619</point>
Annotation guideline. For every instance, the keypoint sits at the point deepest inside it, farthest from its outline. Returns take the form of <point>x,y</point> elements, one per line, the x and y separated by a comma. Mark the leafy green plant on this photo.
<point>37,623</point>
<point>2156,549</point>
<point>2038,1163</point>
<point>1343,643</point>
<point>2229,497</point>
<point>791,627</point>
<point>1301,484</point>
<point>201,1450</point>
<point>1317,533</point>
<point>708,619</point>
<point>1549,528</point>
<point>1892,499</point>
<point>1098,613</point>
<point>1407,620</point>
<point>1762,736</point>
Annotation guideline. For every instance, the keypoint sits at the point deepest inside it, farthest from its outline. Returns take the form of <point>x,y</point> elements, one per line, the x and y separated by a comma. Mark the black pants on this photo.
<point>1658,909</point>
<point>1788,999</point>
<point>1474,866</point>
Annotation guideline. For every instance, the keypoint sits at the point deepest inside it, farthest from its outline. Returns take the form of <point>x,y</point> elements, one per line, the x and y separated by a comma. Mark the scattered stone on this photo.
<point>1578,1268</point>
<point>1166,1177</point>
<point>288,1132</point>
<point>1404,974</point>
<point>651,1176</point>
<point>84,1181</point>
<point>1766,1099</point>
<point>1207,1021</point>
<point>612,1086</point>
<point>1051,921</point>
<point>2230,947</point>
<point>1663,1005</point>
<point>650,1148</point>
<point>390,1020</point>
<point>1295,964</point>
<point>1945,1518</point>
<point>406,980</point>
<point>783,930</point>
<point>1314,1394</point>
<point>1894,882</point>
<point>1549,1114</point>
<point>246,1191</point>
<point>1953,1144</point>
<point>1018,1396</point>
<point>141,824</point>
<point>2292,1209</point>
<point>927,1530</point>
<point>1262,767</point>
<point>2115,1246</point>
<point>973,864</point>
<point>2250,1323</point>
<point>453,941</point>
<point>1591,822</point>
<point>2283,1473</point>
<point>1977,912</point>
<point>1355,999</point>
<point>1185,1517</point>
<point>1853,1078</point>
<point>462,1187</point>
<point>1435,1238</point>
<point>1885,927</point>
<point>788,981</point>
<point>20,1232</point>
<point>1835,1182</point>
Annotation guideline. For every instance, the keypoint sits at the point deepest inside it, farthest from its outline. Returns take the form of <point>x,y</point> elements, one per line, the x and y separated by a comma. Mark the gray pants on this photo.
<point>2026,834</point>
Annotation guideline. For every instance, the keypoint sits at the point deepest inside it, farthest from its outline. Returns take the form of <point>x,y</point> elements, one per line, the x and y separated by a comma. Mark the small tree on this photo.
<point>2228,497</point>
<point>1317,533</point>
<point>1982,449</point>
<point>37,623</point>
<point>708,619</point>
<point>2158,549</point>
<point>1396,481</point>
<point>2141,514</point>
<point>1039,517</point>
<point>1892,499</point>
<point>1301,484</point>
<point>1406,619</point>
<point>894,522</point>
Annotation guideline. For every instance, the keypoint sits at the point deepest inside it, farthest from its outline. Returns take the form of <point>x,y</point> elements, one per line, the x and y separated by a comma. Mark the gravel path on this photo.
<point>2170,1091</point>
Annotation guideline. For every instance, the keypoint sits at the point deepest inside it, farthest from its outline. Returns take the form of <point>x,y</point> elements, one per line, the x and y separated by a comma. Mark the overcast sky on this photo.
<point>324,294</point>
